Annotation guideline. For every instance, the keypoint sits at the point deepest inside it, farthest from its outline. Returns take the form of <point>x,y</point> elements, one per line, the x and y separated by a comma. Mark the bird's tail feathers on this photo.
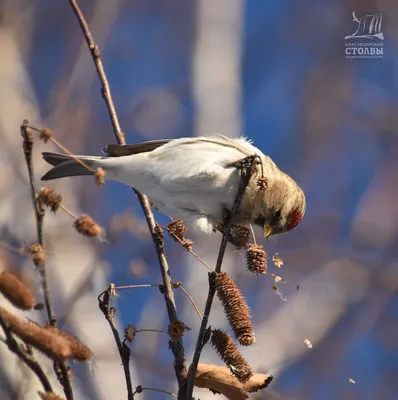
<point>65,165</point>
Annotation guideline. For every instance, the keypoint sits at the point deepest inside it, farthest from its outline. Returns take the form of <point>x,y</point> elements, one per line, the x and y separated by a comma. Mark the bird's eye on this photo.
<point>277,214</point>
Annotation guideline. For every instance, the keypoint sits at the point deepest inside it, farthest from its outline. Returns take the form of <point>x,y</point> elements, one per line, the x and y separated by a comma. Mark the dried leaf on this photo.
<point>220,380</point>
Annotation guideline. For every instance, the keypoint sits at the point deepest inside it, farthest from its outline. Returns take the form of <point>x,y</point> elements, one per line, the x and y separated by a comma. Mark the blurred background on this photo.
<point>274,71</point>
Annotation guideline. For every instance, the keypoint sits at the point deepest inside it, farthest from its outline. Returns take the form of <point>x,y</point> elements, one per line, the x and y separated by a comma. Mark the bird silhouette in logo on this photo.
<point>369,27</point>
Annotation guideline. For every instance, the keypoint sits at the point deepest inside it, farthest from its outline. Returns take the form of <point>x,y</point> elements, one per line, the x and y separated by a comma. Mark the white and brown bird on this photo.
<point>194,179</point>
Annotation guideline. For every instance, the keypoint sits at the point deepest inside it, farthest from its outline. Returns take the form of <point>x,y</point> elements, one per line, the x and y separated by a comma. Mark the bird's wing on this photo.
<point>116,150</point>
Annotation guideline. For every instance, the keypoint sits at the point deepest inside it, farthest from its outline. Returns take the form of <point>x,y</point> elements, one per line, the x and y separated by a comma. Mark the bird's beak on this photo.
<point>267,230</point>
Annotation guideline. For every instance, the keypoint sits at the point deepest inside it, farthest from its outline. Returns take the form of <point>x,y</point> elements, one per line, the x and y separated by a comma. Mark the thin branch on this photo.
<point>150,330</point>
<point>39,215</point>
<point>192,301</point>
<point>158,390</point>
<point>62,147</point>
<point>246,169</point>
<point>96,55</point>
<point>188,249</point>
<point>66,211</point>
<point>13,249</point>
<point>253,234</point>
<point>124,351</point>
<point>28,359</point>
<point>177,346</point>
<point>138,286</point>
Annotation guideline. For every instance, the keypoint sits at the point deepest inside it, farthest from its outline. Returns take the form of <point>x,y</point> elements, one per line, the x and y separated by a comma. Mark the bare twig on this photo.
<point>150,330</point>
<point>96,54</point>
<point>62,147</point>
<point>39,215</point>
<point>177,346</point>
<point>141,389</point>
<point>246,169</point>
<point>124,351</point>
<point>192,301</point>
<point>147,285</point>
<point>27,358</point>
<point>253,234</point>
<point>188,249</point>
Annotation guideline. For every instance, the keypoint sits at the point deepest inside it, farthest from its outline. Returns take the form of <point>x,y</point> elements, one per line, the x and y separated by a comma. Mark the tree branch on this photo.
<point>124,351</point>
<point>39,215</point>
<point>177,347</point>
<point>28,359</point>
<point>96,55</point>
<point>245,167</point>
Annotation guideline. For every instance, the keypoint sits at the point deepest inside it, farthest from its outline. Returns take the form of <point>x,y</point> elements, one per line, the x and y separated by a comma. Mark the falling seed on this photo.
<point>278,262</point>
<point>351,380</point>
<point>277,279</point>
<point>278,292</point>
<point>308,343</point>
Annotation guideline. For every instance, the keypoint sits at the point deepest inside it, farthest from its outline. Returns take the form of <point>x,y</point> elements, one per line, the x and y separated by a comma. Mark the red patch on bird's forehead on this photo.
<point>293,219</point>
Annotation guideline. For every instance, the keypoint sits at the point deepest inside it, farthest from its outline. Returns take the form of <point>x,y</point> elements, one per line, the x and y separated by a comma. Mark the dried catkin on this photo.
<point>49,343</point>
<point>100,177</point>
<point>80,352</point>
<point>129,333</point>
<point>239,236</point>
<point>38,255</point>
<point>230,354</point>
<point>50,198</point>
<point>16,291</point>
<point>176,330</point>
<point>176,229</point>
<point>256,259</point>
<point>46,134</point>
<point>86,226</point>
<point>235,308</point>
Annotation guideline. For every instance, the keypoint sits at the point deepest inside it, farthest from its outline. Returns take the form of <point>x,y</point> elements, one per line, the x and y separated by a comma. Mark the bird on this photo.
<point>195,179</point>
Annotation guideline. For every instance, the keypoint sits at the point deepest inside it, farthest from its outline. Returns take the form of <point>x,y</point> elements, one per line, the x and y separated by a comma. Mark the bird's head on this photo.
<point>281,206</point>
